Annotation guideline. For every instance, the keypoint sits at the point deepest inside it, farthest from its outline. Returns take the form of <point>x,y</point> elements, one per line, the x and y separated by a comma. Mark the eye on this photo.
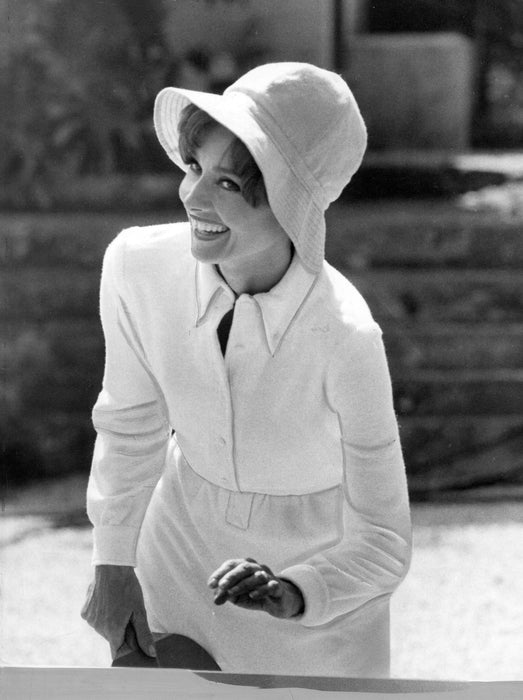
<point>194,166</point>
<point>229,185</point>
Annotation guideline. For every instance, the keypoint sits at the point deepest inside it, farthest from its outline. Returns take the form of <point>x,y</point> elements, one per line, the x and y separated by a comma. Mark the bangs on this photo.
<point>193,127</point>
<point>194,124</point>
<point>244,165</point>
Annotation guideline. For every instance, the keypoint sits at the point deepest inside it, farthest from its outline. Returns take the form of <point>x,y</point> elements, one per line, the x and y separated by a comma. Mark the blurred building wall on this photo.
<point>414,90</point>
<point>299,30</point>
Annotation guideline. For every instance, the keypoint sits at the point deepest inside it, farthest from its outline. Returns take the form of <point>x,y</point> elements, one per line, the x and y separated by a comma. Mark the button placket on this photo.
<point>238,360</point>
<point>243,333</point>
<point>223,430</point>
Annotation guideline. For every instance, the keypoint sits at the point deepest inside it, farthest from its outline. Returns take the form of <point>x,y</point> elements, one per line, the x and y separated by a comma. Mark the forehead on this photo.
<point>216,145</point>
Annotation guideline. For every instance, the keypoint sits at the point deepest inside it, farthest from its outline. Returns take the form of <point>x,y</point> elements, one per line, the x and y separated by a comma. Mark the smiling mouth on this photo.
<point>207,229</point>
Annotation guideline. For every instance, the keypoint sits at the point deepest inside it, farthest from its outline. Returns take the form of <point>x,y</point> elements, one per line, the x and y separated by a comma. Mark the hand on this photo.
<point>114,607</point>
<point>250,585</point>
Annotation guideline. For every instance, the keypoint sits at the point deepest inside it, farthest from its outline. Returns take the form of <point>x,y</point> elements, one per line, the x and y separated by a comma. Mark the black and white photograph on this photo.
<point>261,323</point>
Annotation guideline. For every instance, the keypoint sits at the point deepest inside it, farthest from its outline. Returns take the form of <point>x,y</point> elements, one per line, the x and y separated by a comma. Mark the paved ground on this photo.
<point>458,615</point>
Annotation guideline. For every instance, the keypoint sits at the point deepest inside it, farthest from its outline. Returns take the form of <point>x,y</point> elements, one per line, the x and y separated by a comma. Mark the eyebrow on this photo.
<point>226,171</point>
<point>223,169</point>
<point>218,168</point>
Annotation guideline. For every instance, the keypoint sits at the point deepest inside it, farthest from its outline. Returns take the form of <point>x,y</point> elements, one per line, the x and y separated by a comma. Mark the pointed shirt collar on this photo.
<point>278,306</point>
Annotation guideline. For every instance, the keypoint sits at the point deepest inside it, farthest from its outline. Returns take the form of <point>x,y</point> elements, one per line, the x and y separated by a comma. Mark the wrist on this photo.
<point>113,571</point>
<point>296,596</point>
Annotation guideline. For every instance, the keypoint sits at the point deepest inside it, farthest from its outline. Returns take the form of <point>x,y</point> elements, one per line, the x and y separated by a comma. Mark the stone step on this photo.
<point>436,393</point>
<point>110,193</point>
<point>467,296</point>
<point>54,366</point>
<point>360,237</point>
<point>429,173</point>
<point>77,239</point>
<point>75,390</point>
<point>61,363</point>
<point>435,440</point>
<point>404,296</point>
<point>48,293</point>
<point>441,452</point>
<point>46,444</point>
<point>460,452</point>
<point>78,344</point>
<point>453,346</point>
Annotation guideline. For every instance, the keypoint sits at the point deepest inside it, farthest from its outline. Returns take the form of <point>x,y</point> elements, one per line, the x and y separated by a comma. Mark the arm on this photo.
<point>131,422</point>
<point>373,556</point>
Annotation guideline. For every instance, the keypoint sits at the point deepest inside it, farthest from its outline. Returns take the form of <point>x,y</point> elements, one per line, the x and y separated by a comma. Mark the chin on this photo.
<point>206,254</point>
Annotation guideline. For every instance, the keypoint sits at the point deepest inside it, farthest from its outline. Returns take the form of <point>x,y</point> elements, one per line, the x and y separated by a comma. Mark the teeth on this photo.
<point>205,227</point>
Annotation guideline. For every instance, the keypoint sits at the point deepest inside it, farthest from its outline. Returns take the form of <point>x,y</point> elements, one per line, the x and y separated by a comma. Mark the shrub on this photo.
<point>80,81</point>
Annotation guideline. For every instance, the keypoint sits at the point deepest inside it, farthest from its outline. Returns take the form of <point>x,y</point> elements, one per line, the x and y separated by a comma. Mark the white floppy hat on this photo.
<point>303,128</point>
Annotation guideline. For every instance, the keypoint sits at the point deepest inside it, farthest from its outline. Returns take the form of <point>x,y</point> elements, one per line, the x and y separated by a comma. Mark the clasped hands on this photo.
<point>247,584</point>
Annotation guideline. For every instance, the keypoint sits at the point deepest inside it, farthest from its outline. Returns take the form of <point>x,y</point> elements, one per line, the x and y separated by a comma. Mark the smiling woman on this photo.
<point>256,485</point>
<point>244,239</point>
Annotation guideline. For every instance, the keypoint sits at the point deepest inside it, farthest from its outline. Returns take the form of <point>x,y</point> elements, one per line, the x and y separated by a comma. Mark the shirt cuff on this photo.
<point>314,590</point>
<point>115,544</point>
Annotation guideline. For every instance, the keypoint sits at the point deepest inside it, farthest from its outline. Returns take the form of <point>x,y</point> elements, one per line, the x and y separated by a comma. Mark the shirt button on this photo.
<point>222,441</point>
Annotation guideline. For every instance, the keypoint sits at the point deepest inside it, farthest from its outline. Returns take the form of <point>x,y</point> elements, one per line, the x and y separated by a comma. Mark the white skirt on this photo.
<point>192,526</point>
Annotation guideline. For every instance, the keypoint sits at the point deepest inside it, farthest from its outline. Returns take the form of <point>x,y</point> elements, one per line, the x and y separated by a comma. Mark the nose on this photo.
<point>194,192</point>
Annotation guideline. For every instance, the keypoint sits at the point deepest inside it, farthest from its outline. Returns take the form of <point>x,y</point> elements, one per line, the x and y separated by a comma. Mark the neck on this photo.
<point>255,276</point>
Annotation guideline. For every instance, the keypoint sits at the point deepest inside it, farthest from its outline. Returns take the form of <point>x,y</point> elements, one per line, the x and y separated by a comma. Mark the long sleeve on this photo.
<point>374,553</point>
<point>130,418</point>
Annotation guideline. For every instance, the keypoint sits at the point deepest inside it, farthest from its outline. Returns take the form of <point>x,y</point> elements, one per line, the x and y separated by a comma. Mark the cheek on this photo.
<point>272,226</point>
<point>183,189</point>
<point>232,207</point>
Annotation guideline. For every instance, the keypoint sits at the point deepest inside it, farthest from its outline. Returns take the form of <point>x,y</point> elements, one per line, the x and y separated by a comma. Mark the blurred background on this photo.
<point>430,230</point>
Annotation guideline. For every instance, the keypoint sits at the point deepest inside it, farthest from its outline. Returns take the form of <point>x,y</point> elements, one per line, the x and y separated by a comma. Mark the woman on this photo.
<point>273,525</point>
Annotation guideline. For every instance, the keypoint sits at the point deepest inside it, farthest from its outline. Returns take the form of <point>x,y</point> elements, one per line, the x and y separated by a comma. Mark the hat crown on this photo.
<point>317,114</point>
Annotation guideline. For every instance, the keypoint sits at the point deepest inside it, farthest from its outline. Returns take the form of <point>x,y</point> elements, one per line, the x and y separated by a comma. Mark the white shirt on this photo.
<point>301,403</point>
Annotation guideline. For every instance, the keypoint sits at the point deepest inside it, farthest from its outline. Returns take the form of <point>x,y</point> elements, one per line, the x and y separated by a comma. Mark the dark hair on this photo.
<point>194,124</point>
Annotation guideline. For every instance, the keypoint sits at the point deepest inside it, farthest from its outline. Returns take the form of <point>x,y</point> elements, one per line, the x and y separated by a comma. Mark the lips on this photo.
<point>207,229</point>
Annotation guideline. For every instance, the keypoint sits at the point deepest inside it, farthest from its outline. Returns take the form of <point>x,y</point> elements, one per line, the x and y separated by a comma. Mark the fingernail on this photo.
<point>152,650</point>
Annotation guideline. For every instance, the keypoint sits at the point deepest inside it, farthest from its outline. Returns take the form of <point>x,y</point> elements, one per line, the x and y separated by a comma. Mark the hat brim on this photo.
<point>289,193</point>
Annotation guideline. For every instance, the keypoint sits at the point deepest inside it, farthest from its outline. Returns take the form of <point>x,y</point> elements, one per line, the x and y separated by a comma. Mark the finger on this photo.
<point>142,634</point>
<point>245,587</point>
<point>223,595</point>
<point>130,642</point>
<point>221,571</point>
<point>248,603</point>
<point>220,597</point>
<point>256,580</point>
<point>84,613</point>
<point>117,641</point>
<point>241,571</point>
<point>272,588</point>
